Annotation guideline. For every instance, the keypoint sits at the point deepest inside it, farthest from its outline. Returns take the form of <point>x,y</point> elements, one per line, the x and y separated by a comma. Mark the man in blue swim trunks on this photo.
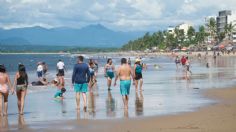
<point>80,79</point>
<point>124,72</point>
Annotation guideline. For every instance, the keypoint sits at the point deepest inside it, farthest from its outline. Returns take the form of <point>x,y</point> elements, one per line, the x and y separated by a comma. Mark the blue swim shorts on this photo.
<point>81,88</point>
<point>125,87</point>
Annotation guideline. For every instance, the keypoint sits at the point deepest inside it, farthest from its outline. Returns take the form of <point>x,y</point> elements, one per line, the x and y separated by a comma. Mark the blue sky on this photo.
<point>124,15</point>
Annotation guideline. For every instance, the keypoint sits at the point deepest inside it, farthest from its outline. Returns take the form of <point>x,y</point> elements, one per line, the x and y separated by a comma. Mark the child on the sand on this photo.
<point>60,83</point>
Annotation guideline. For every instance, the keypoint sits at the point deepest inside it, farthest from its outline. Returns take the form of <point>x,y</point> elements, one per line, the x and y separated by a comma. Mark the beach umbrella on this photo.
<point>184,49</point>
<point>221,46</point>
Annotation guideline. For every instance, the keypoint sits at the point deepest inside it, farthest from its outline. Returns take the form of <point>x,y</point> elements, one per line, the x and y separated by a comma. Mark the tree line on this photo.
<point>166,40</point>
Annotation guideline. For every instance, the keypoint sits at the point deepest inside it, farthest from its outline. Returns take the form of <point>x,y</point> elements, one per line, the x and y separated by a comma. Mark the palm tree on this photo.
<point>191,34</point>
<point>212,28</point>
<point>202,34</point>
<point>229,29</point>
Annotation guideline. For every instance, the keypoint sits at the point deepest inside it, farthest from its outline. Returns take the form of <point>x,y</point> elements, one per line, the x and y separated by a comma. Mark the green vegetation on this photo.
<point>165,40</point>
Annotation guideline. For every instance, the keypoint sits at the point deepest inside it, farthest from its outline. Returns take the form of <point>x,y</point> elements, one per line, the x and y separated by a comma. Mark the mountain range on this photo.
<point>89,36</point>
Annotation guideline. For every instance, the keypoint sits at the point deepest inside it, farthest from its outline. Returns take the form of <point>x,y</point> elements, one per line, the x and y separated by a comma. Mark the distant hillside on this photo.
<point>89,36</point>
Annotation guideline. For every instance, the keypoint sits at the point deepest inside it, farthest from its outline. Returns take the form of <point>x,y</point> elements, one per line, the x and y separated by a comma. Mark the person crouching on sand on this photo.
<point>21,84</point>
<point>60,83</point>
<point>5,85</point>
<point>124,73</point>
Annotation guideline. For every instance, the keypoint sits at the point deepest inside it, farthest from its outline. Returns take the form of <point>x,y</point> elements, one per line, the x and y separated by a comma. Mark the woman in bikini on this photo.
<point>5,84</point>
<point>21,85</point>
<point>109,72</point>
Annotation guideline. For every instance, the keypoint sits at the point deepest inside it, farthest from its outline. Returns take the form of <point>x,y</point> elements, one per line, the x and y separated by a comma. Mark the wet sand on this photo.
<point>218,117</point>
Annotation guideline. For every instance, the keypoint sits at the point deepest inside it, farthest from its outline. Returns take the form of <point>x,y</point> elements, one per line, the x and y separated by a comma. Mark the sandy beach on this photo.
<point>169,102</point>
<point>218,117</point>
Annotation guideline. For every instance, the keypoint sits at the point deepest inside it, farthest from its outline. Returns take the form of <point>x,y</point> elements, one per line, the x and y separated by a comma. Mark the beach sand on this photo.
<point>217,117</point>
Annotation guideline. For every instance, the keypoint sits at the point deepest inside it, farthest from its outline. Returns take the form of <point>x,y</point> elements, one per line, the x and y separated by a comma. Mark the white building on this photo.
<point>171,30</point>
<point>184,27</point>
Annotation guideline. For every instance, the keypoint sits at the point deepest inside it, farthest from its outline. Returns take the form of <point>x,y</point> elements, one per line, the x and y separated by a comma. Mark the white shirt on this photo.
<point>60,65</point>
<point>40,68</point>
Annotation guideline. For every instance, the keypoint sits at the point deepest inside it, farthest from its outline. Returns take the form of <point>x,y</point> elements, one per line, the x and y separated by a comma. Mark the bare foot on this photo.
<point>4,114</point>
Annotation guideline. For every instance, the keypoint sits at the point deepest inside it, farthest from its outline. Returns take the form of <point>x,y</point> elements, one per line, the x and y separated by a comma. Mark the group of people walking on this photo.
<point>20,84</point>
<point>185,62</point>
<point>83,79</point>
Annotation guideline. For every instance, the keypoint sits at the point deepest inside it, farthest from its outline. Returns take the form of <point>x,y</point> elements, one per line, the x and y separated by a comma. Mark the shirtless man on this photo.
<point>124,73</point>
<point>5,85</point>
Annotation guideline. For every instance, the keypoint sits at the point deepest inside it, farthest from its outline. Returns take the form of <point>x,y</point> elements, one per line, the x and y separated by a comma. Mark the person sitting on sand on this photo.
<point>124,73</point>
<point>42,82</point>
<point>21,83</point>
<point>5,85</point>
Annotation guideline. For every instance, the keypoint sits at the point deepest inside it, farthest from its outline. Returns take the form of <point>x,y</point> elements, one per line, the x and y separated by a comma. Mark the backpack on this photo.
<point>138,69</point>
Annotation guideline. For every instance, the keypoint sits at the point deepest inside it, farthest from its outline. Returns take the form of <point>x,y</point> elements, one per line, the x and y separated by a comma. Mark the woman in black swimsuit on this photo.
<point>21,83</point>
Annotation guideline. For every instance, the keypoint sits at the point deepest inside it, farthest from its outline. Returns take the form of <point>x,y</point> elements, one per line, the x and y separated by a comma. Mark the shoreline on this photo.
<point>123,53</point>
<point>216,117</point>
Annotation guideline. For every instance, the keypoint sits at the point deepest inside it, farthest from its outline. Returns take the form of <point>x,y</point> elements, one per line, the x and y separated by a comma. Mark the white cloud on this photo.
<point>117,14</point>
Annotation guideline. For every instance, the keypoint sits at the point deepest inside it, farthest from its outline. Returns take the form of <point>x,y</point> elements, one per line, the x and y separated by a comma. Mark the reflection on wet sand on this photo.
<point>110,105</point>
<point>21,122</point>
<point>63,107</point>
<point>4,123</point>
<point>139,103</point>
<point>126,113</point>
<point>91,104</point>
<point>84,113</point>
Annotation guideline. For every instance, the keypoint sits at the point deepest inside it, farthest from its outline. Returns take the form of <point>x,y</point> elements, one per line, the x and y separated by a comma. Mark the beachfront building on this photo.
<point>171,29</point>
<point>226,17</point>
<point>184,27</point>
<point>222,20</point>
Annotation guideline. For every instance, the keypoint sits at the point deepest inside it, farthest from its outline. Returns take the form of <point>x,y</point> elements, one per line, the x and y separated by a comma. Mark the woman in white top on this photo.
<point>60,67</point>
<point>40,70</point>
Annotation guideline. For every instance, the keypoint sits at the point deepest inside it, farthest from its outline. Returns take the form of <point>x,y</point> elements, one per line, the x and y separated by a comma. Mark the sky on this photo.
<point>119,15</point>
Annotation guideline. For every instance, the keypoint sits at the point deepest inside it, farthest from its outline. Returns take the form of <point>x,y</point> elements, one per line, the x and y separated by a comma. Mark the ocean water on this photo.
<point>166,92</point>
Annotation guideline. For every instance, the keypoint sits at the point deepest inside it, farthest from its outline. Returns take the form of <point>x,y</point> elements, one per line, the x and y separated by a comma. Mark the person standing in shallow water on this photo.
<point>129,61</point>
<point>21,84</point>
<point>109,72</point>
<point>5,85</point>
<point>138,74</point>
<point>124,73</point>
<point>61,68</point>
<point>80,79</point>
